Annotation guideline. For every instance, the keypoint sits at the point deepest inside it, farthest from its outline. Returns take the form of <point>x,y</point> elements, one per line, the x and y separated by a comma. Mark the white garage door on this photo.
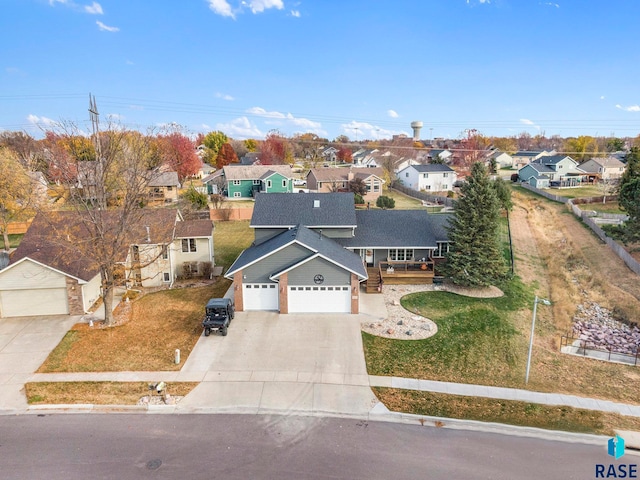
<point>260,296</point>
<point>43,301</point>
<point>319,299</point>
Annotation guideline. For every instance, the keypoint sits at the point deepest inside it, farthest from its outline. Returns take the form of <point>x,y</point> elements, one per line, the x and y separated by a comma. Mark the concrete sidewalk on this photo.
<point>505,394</point>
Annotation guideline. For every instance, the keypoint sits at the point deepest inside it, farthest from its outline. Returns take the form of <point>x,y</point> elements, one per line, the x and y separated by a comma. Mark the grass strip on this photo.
<point>511,412</point>
<point>97,393</point>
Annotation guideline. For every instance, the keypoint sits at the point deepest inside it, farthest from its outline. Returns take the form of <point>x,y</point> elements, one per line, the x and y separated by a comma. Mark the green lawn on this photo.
<point>14,240</point>
<point>609,207</point>
<point>405,202</point>
<point>230,238</point>
<point>578,192</point>
<point>476,340</point>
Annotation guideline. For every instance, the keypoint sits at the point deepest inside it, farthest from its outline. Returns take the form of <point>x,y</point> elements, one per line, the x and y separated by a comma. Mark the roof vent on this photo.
<point>316,204</point>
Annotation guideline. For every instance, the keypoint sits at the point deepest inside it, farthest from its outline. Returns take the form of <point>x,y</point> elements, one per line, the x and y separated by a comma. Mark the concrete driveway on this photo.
<point>25,343</point>
<point>272,362</point>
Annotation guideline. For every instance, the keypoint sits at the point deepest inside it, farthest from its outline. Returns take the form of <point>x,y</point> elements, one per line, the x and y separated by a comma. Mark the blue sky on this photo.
<point>361,68</point>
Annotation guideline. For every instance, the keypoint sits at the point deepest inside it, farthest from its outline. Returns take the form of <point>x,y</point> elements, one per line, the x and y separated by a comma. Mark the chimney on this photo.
<point>148,234</point>
<point>316,204</point>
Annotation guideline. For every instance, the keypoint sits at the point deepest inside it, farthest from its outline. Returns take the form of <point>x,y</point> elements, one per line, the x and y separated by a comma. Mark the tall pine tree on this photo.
<point>475,259</point>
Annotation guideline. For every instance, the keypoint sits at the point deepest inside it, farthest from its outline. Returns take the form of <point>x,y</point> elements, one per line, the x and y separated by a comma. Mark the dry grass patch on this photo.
<point>97,393</point>
<point>159,323</point>
<point>551,417</point>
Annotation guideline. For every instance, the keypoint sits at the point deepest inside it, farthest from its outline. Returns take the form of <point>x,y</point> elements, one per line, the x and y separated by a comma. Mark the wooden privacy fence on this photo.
<point>18,228</point>
<point>224,214</point>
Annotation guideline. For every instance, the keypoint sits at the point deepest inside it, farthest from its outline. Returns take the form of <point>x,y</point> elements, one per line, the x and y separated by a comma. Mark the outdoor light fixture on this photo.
<point>537,300</point>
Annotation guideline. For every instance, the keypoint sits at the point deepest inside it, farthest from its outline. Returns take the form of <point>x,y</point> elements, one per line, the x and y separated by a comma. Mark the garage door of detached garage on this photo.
<point>260,296</point>
<point>41,301</point>
<point>319,299</point>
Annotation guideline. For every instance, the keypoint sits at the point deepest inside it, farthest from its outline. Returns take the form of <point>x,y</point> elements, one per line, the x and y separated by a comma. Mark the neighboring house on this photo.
<point>552,171</point>
<point>242,182</point>
<point>329,154</point>
<point>364,157</point>
<point>433,177</point>
<point>205,170</point>
<point>337,179</point>
<point>48,275</point>
<point>250,158</point>
<point>604,168</point>
<point>163,187</point>
<point>312,251</point>
<point>39,184</point>
<point>444,155</point>
<point>503,160</point>
<point>525,157</point>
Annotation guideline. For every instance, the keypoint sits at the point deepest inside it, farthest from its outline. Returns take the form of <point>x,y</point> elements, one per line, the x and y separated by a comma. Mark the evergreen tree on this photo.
<point>475,258</point>
<point>629,195</point>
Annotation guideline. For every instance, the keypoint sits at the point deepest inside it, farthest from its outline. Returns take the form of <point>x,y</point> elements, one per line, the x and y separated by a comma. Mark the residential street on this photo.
<point>274,447</point>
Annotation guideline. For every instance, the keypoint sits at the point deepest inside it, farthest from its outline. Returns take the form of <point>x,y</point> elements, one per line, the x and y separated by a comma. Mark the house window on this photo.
<point>169,188</point>
<point>284,184</point>
<point>188,245</point>
<point>427,187</point>
<point>166,277</point>
<point>442,250</point>
<point>425,175</point>
<point>445,174</point>
<point>237,194</point>
<point>257,182</point>
<point>376,186</point>
<point>445,187</point>
<point>236,182</point>
<point>400,254</point>
<point>165,252</point>
<point>268,183</point>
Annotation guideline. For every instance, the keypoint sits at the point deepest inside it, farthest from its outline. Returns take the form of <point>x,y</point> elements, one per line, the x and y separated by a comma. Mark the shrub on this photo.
<point>515,177</point>
<point>358,199</point>
<point>385,202</point>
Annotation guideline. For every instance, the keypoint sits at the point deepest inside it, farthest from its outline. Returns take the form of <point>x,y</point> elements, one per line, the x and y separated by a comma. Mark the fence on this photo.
<point>629,261</point>
<point>576,346</point>
<point>224,214</point>
<point>446,201</point>
<point>18,228</point>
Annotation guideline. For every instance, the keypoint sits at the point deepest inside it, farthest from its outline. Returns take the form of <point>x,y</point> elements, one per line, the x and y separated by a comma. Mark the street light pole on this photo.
<point>533,326</point>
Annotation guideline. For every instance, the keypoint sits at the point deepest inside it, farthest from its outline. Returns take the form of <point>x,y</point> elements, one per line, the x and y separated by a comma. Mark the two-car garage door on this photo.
<point>319,299</point>
<point>42,301</point>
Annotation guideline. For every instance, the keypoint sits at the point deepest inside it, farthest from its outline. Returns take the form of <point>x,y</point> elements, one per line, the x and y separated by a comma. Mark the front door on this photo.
<point>368,257</point>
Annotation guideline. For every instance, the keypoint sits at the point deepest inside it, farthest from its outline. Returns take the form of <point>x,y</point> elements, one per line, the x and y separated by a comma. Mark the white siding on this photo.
<point>91,292</point>
<point>28,275</point>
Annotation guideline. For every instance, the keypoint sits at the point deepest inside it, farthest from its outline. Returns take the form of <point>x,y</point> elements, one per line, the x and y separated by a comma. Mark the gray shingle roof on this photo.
<point>254,172</point>
<point>397,228</point>
<point>165,179</point>
<point>314,241</point>
<point>551,159</point>
<point>291,209</point>
<point>432,167</point>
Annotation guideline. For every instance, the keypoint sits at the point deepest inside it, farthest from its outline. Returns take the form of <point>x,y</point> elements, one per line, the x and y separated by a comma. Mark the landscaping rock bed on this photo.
<point>598,329</point>
<point>159,400</point>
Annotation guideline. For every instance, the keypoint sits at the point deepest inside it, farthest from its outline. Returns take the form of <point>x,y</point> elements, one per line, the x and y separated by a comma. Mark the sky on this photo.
<point>361,68</point>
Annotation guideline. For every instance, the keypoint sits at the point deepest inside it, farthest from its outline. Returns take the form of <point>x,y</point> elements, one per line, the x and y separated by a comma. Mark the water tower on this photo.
<point>416,126</point>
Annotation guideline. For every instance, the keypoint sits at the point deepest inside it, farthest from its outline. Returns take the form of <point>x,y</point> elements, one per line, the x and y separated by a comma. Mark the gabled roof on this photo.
<point>539,168</point>
<point>342,174</point>
<point>165,179</point>
<point>317,244</point>
<point>527,153</point>
<point>55,239</point>
<point>431,168</point>
<point>552,159</point>
<point>286,210</point>
<point>194,228</point>
<point>254,172</point>
<point>397,228</point>
<point>605,162</point>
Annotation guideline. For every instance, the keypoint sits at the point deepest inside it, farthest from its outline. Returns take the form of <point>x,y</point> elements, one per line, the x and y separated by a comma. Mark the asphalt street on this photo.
<point>275,447</point>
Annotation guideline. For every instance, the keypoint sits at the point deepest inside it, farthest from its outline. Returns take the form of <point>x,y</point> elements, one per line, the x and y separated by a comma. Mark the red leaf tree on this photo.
<point>275,150</point>
<point>178,152</point>
<point>226,155</point>
<point>345,155</point>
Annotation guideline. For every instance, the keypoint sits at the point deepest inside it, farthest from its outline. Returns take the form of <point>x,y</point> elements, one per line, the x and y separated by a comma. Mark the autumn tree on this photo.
<point>581,148</point>
<point>61,166</point>
<point>358,186</point>
<point>614,144</point>
<point>240,147</point>
<point>28,150</point>
<point>177,152</point>
<point>251,144</point>
<point>345,155</point>
<point>226,156</point>
<point>213,142</point>
<point>18,198</point>
<point>275,150</point>
<point>475,258</point>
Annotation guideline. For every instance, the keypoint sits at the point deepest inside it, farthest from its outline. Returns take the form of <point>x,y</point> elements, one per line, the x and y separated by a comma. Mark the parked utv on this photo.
<point>218,314</point>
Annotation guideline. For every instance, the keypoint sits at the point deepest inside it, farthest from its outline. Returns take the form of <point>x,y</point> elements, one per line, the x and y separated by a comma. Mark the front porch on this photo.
<point>406,273</point>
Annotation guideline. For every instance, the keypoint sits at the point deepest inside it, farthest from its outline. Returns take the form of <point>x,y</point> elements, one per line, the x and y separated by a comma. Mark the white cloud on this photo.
<point>40,121</point>
<point>240,128</point>
<point>129,62</point>
<point>221,7</point>
<point>258,6</point>
<point>205,127</point>
<point>531,123</point>
<point>106,28</point>
<point>286,118</point>
<point>392,113</point>
<point>362,130</point>
<point>53,2</point>
<point>223,96</point>
<point>551,4</point>
<point>115,116</point>
<point>630,108</point>
<point>601,97</point>
<point>295,13</point>
<point>94,9</point>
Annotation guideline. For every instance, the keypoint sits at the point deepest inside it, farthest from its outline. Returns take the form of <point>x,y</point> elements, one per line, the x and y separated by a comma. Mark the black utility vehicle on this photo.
<point>218,314</point>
